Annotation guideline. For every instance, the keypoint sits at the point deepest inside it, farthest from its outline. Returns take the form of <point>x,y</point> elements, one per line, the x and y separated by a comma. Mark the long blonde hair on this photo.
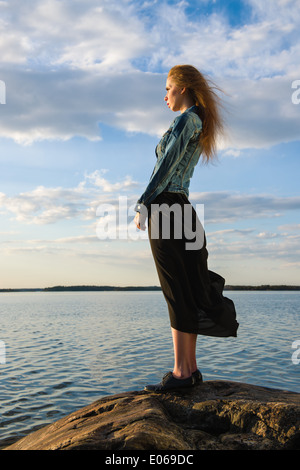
<point>203,92</point>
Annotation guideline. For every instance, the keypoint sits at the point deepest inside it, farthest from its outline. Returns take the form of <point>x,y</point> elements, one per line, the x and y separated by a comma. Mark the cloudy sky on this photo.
<point>82,109</point>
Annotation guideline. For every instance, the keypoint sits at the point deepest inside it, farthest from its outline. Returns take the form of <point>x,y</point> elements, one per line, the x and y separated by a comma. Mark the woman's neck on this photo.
<point>188,103</point>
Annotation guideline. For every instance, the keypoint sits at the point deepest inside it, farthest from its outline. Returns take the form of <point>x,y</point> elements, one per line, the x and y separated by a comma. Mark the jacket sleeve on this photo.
<point>178,140</point>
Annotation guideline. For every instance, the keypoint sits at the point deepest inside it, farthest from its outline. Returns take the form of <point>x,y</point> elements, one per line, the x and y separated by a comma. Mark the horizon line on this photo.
<point>87,287</point>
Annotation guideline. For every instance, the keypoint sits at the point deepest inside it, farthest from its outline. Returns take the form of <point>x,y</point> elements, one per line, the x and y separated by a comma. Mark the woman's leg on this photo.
<point>184,354</point>
<point>185,364</point>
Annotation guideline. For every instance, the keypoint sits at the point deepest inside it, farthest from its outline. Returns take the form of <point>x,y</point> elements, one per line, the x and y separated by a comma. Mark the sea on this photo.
<point>60,351</point>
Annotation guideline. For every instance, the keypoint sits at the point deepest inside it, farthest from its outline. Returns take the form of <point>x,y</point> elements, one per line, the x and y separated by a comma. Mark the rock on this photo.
<point>216,415</point>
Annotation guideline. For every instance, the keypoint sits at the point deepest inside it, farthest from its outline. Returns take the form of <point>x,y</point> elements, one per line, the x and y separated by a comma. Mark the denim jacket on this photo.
<point>177,154</point>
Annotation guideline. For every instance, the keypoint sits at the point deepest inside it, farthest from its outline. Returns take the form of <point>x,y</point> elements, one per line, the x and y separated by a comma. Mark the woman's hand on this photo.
<point>140,221</point>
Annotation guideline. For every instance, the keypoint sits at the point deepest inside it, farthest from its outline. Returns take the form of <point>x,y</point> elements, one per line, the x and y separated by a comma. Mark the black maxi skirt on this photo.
<point>194,294</point>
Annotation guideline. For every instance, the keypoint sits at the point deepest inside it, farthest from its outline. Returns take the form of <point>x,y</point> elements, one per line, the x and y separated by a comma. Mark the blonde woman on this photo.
<point>194,295</point>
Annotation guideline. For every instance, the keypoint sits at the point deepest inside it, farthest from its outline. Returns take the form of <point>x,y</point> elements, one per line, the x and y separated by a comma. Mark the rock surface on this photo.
<point>215,415</point>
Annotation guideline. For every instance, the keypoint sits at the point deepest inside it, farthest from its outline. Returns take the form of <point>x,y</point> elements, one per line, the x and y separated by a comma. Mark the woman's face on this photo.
<point>174,96</point>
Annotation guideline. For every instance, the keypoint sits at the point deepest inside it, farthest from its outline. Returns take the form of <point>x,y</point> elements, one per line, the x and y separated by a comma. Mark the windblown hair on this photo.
<point>203,92</point>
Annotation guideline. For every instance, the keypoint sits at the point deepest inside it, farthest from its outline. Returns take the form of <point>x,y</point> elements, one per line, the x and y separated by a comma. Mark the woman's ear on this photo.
<point>183,90</point>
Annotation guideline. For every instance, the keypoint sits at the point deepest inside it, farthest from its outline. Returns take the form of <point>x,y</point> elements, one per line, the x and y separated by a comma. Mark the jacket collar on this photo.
<point>193,108</point>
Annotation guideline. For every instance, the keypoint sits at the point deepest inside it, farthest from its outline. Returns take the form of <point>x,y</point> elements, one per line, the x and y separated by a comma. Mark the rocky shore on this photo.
<point>215,415</point>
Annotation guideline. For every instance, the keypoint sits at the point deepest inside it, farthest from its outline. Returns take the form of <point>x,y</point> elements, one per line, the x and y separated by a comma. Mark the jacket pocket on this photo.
<point>163,142</point>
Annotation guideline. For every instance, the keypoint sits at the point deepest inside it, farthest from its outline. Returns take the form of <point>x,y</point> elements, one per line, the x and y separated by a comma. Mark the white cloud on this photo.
<point>290,227</point>
<point>100,182</point>
<point>279,247</point>
<point>64,104</point>
<point>45,205</point>
<point>260,113</point>
<point>225,206</point>
<point>81,34</point>
<point>231,231</point>
<point>267,235</point>
<point>249,50</point>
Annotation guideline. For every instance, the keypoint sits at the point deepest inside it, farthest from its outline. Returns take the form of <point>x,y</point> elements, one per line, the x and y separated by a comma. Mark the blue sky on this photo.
<point>84,110</point>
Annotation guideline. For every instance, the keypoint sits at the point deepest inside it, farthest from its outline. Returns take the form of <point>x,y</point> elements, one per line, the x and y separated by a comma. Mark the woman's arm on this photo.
<point>178,140</point>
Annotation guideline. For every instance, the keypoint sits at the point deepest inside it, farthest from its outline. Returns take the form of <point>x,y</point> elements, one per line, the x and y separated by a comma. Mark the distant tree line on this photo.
<point>265,287</point>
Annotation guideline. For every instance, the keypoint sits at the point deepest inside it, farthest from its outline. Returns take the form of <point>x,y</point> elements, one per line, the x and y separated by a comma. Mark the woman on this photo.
<point>193,293</point>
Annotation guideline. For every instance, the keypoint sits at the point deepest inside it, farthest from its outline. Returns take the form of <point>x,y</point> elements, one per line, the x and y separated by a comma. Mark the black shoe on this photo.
<point>169,382</point>
<point>197,376</point>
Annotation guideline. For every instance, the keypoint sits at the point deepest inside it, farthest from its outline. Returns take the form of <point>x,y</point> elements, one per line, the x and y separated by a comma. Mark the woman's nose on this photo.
<point>166,97</point>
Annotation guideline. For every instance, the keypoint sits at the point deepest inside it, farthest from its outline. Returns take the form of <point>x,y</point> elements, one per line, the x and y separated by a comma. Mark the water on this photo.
<point>66,350</point>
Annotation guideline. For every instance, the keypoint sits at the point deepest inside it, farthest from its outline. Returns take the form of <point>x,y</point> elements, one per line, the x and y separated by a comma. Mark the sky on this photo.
<point>82,86</point>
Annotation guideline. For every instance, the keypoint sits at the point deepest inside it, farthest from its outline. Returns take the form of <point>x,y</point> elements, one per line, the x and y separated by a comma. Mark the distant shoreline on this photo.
<point>265,287</point>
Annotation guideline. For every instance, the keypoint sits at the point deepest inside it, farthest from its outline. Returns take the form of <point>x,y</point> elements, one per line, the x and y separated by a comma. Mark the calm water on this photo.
<point>65,350</point>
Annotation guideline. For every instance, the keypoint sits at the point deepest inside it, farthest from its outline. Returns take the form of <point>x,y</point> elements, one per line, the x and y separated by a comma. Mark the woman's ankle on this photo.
<point>182,373</point>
